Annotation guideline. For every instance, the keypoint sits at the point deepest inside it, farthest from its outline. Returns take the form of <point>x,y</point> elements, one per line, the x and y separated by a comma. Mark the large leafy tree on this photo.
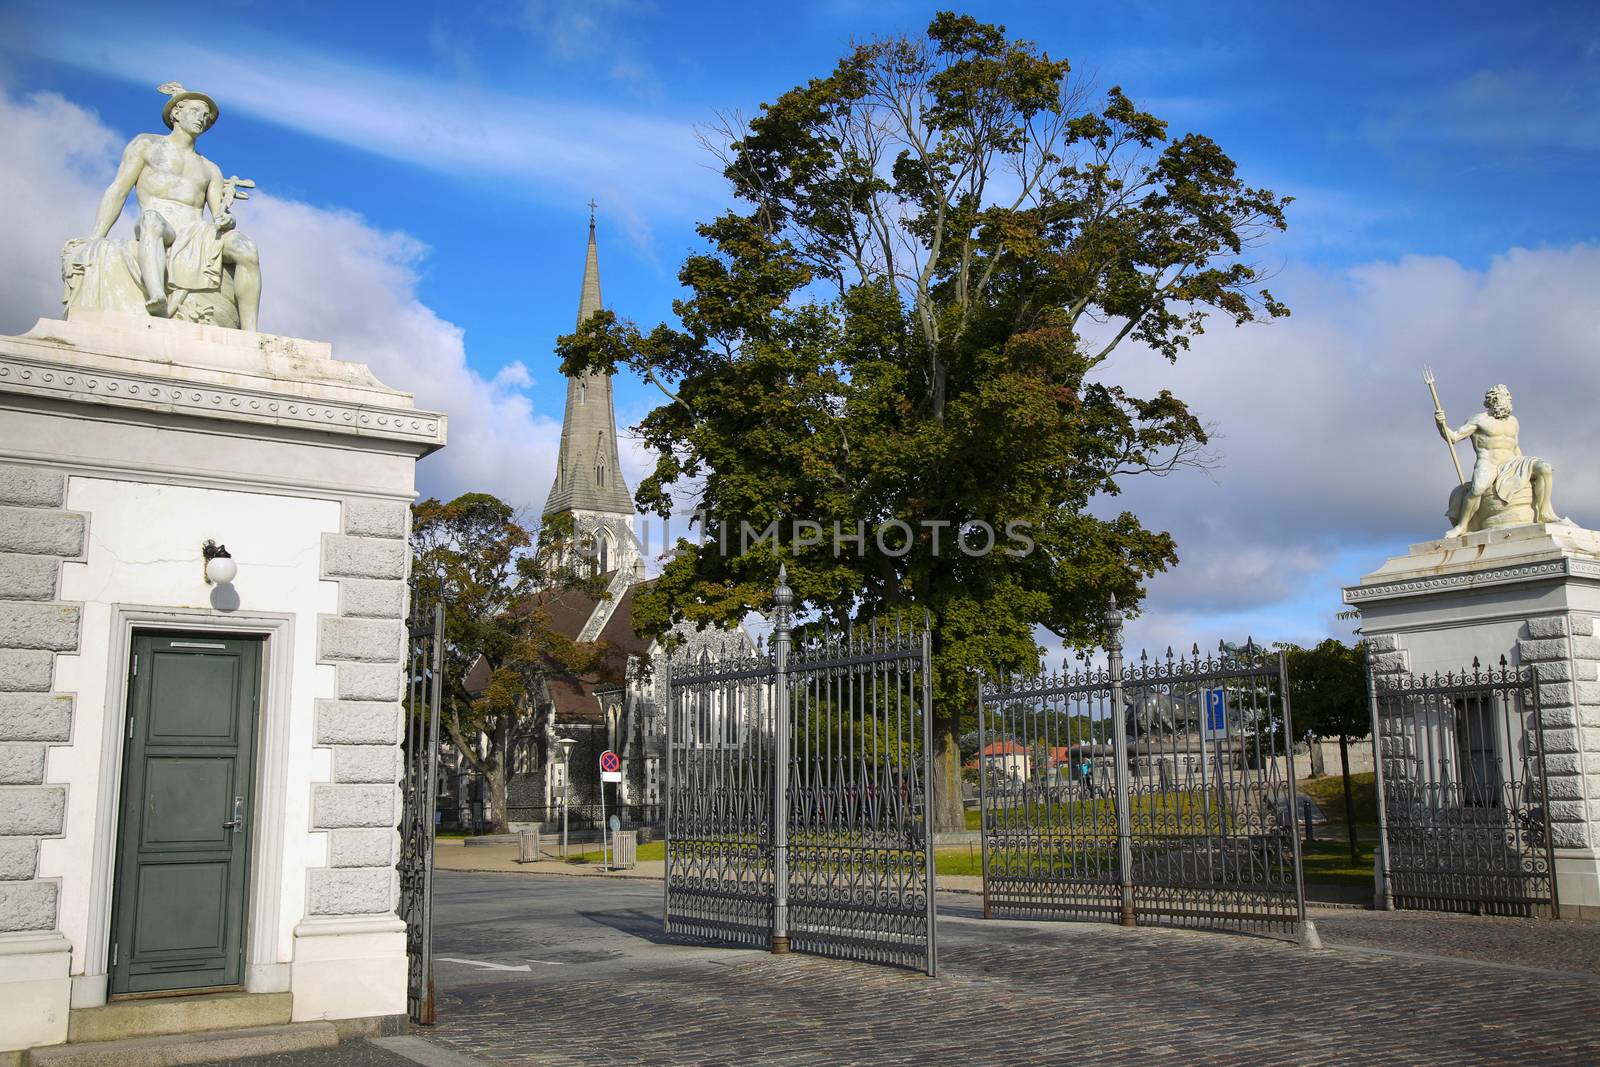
<point>907,314</point>
<point>1328,698</point>
<point>495,577</point>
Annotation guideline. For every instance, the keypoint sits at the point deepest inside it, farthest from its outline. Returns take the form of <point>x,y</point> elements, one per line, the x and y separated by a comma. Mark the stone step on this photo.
<point>173,1049</point>
<point>124,1019</point>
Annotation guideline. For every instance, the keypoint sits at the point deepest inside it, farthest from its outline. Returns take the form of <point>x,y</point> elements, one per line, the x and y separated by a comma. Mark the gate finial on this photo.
<point>1113,618</point>
<point>782,599</point>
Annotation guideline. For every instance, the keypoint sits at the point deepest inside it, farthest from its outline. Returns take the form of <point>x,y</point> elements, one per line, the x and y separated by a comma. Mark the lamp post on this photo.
<point>565,745</point>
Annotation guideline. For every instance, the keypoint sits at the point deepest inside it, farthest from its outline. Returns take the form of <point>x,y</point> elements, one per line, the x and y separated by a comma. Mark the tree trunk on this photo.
<point>949,815</point>
<point>495,817</point>
<point>1349,798</point>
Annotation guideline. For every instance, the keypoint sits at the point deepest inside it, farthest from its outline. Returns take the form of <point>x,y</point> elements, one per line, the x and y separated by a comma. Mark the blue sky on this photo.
<point>1421,139</point>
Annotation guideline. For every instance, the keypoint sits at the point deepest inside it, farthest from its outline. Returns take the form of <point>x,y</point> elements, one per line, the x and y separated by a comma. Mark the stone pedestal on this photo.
<point>1530,594</point>
<point>126,442</point>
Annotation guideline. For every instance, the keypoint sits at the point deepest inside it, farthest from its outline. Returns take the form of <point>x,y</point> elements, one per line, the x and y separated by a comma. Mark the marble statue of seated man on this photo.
<point>1506,488</point>
<point>181,264</point>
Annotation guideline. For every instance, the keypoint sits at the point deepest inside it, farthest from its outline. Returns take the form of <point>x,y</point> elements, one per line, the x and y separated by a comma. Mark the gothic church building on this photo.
<point>622,707</point>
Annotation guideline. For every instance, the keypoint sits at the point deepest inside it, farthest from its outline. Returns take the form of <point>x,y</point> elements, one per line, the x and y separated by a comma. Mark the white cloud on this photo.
<point>1331,459</point>
<point>327,274</point>
<point>57,162</point>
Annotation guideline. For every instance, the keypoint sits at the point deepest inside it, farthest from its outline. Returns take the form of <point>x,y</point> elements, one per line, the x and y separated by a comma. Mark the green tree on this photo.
<point>495,579</point>
<point>907,315</point>
<point>1328,698</point>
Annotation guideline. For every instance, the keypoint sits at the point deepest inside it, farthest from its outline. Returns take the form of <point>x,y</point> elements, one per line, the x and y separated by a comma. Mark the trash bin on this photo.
<point>528,846</point>
<point>625,848</point>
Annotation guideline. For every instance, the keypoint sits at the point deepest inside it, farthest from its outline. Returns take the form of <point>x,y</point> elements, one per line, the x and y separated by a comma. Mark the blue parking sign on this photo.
<point>1216,712</point>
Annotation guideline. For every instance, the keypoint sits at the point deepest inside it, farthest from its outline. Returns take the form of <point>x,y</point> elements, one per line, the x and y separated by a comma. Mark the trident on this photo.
<point>1438,411</point>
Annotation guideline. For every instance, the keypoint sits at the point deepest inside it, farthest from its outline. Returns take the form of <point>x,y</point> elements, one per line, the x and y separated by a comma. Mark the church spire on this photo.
<point>589,302</point>
<point>588,472</point>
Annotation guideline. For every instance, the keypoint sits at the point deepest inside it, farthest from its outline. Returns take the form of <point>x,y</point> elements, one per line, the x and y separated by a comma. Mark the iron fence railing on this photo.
<point>797,794</point>
<point>1160,793</point>
<point>419,790</point>
<point>1462,791</point>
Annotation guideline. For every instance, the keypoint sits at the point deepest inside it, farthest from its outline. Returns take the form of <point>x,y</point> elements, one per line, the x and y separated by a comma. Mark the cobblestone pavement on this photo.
<point>1538,944</point>
<point>604,987</point>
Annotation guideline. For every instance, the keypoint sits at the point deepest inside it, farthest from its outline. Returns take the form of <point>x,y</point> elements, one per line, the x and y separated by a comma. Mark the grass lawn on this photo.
<point>1328,792</point>
<point>1322,861</point>
<point>653,850</point>
<point>1325,861</point>
<point>1329,862</point>
<point>961,860</point>
<point>1086,812</point>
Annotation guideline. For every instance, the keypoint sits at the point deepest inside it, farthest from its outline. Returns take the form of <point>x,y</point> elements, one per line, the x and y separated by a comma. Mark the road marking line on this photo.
<point>485,965</point>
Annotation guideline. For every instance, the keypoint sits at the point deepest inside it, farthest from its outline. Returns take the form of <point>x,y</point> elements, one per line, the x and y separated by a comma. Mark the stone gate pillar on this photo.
<point>1531,594</point>
<point>126,443</point>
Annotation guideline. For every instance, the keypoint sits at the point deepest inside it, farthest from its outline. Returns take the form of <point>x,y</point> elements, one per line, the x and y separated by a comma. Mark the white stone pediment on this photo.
<point>1489,557</point>
<point>128,361</point>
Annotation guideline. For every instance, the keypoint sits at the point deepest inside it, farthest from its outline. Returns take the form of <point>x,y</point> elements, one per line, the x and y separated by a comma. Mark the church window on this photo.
<point>583,392</point>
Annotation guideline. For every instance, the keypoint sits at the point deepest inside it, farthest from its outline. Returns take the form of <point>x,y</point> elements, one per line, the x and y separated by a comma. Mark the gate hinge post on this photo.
<point>783,602</point>
<point>1119,753</point>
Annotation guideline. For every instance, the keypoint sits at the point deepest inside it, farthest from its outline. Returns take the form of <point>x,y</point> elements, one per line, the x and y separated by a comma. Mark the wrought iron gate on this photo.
<point>797,795</point>
<point>1161,793</point>
<point>1462,796</point>
<point>419,788</point>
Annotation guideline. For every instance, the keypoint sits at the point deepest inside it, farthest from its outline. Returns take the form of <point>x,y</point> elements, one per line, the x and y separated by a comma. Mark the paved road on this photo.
<point>604,987</point>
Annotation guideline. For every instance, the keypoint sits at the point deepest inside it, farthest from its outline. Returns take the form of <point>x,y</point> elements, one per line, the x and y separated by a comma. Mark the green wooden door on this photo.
<point>183,843</point>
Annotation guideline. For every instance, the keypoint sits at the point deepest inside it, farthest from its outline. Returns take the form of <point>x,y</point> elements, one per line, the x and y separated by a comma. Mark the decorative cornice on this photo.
<point>1528,572</point>
<point>209,400</point>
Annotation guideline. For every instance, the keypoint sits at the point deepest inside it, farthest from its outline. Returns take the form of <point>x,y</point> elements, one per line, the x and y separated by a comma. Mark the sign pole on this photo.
<point>610,771</point>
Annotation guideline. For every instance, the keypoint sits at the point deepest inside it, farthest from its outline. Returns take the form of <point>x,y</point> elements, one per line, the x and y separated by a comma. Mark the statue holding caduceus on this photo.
<point>180,264</point>
<point>1506,488</point>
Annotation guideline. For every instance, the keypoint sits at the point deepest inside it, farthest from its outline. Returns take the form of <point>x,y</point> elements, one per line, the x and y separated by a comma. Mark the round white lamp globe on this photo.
<point>221,569</point>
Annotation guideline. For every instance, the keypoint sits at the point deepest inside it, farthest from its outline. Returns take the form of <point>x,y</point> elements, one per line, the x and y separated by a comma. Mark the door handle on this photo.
<point>236,824</point>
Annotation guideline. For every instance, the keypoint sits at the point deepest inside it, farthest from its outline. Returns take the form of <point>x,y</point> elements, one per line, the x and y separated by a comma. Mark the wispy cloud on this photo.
<point>1508,110</point>
<point>643,164</point>
<point>593,30</point>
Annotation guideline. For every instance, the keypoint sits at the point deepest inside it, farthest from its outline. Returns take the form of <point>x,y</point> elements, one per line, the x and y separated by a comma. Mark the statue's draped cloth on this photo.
<point>194,262</point>
<point>1509,479</point>
<point>104,273</point>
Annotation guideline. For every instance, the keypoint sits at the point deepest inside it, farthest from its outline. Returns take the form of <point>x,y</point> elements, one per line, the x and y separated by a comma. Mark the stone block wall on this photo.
<point>366,641</point>
<point>1389,660</point>
<point>36,534</point>
<point>1565,656</point>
